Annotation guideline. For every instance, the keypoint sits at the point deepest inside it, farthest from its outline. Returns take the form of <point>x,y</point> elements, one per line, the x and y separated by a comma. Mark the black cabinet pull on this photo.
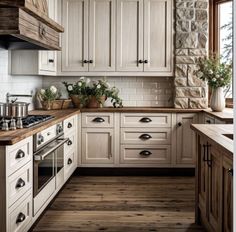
<point>145,61</point>
<point>20,218</point>
<point>209,161</point>
<point>140,61</point>
<point>180,124</point>
<point>208,121</point>
<point>204,153</point>
<point>145,136</point>
<point>51,61</point>
<point>98,119</point>
<point>20,183</point>
<point>145,120</point>
<point>20,154</point>
<point>69,143</point>
<point>90,61</point>
<point>145,153</point>
<point>69,161</point>
<point>230,171</point>
<point>69,125</point>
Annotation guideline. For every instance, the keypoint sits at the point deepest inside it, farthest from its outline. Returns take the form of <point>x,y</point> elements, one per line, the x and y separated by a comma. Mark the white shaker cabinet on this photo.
<point>129,35</point>
<point>186,141</point>
<point>102,35</point>
<point>74,56</point>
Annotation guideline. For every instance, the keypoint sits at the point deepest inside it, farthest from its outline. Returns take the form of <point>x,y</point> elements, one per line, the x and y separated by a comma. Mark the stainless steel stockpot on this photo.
<point>15,110</point>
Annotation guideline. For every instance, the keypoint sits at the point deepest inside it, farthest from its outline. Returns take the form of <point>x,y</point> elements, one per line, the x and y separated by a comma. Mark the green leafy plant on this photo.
<point>98,89</point>
<point>49,94</point>
<point>215,72</point>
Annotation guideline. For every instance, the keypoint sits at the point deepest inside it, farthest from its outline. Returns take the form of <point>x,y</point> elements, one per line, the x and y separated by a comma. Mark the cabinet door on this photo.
<point>102,35</point>
<point>214,167</point>
<point>75,37</point>
<point>97,146</point>
<point>202,176</point>
<point>186,151</point>
<point>227,195</point>
<point>129,35</point>
<point>47,59</point>
<point>157,35</point>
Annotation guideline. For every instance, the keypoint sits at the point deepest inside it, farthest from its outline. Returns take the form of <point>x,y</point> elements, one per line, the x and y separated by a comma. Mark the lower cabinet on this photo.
<point>97,146</point>
<point>215,187</point>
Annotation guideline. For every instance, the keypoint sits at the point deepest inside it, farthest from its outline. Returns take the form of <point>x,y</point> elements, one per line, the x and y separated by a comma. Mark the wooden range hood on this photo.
<point>24,24</point>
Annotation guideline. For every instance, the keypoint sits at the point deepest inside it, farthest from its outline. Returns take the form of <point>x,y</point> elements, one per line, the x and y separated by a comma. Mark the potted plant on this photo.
<point>48,96</point>
<point>218,75</point>
<point>77,91</point>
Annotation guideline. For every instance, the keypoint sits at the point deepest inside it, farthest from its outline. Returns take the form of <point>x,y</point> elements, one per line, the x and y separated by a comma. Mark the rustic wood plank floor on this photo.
<point>117,204</point>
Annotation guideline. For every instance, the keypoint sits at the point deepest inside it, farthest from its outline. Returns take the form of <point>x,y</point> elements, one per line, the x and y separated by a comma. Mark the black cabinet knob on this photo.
<point>69,125</point>
<point>145,153</point>
<point>69,143</point>
<point>20,154</point>
<point>145,61</point>
<point>98,119</point>
<point>20,218</point>
<point>230,171</point>
<point>69,161</point>
<point>145,120</point>
<point>140,61</point>
<point>20,183</point>
<point>90,61</point>
<point>51,61</point>
<point>145,136</point>
<point>85,61</point>
<point>180,124</point>
<point>208,121</point>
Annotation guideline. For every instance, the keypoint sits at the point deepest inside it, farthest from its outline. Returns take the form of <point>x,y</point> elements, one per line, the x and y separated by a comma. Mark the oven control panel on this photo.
<point>44,137</point>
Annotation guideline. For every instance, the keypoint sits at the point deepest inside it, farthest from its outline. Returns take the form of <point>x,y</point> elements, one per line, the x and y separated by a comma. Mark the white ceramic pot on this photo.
<point>217,100</point>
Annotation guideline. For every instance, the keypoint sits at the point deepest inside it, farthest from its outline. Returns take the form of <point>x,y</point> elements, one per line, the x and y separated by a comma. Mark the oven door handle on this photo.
<point>42,157</point>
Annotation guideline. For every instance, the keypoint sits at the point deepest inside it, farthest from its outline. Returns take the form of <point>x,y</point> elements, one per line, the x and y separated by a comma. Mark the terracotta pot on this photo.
<point>76,101</point>
<point>94,103</point>
<point>217,100</point>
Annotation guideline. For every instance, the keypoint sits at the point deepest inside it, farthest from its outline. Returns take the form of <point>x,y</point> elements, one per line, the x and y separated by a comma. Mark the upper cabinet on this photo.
<point>111,37</point>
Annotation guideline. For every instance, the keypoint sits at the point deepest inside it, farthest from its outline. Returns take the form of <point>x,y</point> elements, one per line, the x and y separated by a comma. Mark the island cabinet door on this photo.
<point>130,35</point>
<point>214,195</point>
<point>97,146</point>
<point>227,195</point>
<point>75,38</point>
<point>202,176</point>
<point>102,35</point>
<point>157,35</point>
<point>186,145</point>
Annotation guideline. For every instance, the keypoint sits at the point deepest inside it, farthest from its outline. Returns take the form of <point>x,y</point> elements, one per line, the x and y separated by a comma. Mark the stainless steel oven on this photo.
<point>48,164</point>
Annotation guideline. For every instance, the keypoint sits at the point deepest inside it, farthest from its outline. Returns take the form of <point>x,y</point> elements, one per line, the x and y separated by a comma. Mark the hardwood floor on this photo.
<point>129,204</point>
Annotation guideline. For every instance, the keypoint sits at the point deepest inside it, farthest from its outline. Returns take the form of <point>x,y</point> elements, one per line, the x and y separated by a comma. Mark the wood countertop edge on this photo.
<point>227,118</point>
<point>210,137</point>
<point>20,134</point>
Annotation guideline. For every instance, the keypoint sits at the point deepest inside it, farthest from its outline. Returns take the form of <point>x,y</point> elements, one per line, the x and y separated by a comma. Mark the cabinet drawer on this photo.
<point>19,183</point>
<point>149,154</point>
<point>69,124</point>
<point>18,155</point>
<point>145,120</point>
<point>70,145</point>
<point>70,164</point>
<point>21,215</point>
<point>209,120</point>
<point>145,136</point>
<point>97,120</point>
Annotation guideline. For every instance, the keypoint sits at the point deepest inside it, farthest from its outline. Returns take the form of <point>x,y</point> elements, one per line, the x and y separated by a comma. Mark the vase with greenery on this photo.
<point>77,91</point>
<point>95,93</point>
<point>47,96</point>
<point>218,75</point>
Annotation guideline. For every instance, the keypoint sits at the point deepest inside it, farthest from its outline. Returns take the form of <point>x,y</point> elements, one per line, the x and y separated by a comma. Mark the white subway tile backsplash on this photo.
<point>135,91</point>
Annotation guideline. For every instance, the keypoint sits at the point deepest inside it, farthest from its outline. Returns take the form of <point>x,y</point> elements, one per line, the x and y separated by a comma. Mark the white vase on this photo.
<point>217,100</point>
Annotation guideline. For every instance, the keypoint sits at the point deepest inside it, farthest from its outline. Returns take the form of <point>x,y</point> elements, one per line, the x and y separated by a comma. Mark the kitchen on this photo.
<point>122,122</point>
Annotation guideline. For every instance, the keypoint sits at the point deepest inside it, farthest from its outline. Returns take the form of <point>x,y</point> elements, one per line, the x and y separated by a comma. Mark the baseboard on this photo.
<point>134,171</point>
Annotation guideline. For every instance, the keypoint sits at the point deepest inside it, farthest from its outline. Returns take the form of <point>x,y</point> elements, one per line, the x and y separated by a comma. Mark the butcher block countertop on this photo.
<point>140,110</point>
<point>215,133</point>
<point>227,115</point>
<point>12,137</point>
